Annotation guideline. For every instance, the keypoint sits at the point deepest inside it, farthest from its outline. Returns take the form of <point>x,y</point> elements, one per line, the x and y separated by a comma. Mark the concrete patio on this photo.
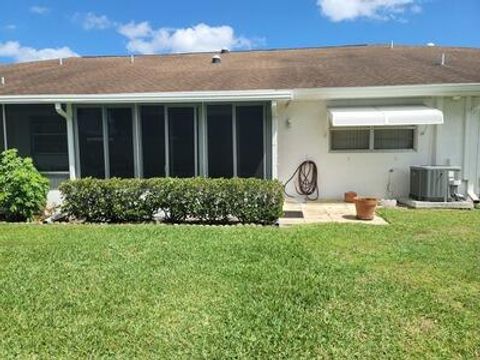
<point>312,212</point>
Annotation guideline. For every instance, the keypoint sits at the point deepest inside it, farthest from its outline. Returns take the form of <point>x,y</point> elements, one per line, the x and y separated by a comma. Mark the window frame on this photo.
<point>196,134</point>
<point>34,135</point>
<point>105,134</point>
<point>371,148</point>
<point>200,136</point>
<point>265,129</point>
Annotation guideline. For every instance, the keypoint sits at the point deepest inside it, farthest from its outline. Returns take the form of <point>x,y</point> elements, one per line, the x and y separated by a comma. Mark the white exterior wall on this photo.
<point>303,133</point>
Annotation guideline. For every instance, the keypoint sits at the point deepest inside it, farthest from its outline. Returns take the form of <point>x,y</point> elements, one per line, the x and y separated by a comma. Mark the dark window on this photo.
<point>350,139</point>
<point>90,135</point>
<point>250,147</point>
<point>398,139</point>
<point>220,140</point>
<point>383,139</point>
<point>153,141</point>
<point>120,142</point>
<point>48,137</point>
<point>39,132</point>
<point>181,122</point>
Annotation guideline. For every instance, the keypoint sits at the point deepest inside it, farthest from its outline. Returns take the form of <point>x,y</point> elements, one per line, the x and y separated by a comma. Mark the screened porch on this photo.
<point>151,140</point>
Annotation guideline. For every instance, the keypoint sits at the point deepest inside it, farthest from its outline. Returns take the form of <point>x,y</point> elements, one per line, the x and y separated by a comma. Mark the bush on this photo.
<point>23,190</point>
<point>212,201</point>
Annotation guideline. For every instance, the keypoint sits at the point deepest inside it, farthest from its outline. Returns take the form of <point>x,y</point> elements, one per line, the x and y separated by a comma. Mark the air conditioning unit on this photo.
<point>434,183</point>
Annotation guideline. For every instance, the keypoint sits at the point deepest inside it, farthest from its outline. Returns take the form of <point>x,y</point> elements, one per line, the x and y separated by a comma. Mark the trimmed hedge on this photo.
<point>212,201</point>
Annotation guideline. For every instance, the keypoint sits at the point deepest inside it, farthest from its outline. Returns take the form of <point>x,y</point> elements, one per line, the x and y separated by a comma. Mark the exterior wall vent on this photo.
<point>216,59</point>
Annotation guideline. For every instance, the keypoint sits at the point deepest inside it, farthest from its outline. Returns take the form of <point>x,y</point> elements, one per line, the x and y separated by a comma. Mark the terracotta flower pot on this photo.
<point>349,196</point>
<point>366,207</point>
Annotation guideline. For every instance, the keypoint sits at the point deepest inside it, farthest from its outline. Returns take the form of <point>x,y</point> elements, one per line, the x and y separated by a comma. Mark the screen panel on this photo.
<point>120,142</point>
<point>90,138</point>
<point>250,141</point>
<point>153,140</point>
<point>220,140</point>
<point>350,139</point>
<point>394,139</point>
<point>181,121</point>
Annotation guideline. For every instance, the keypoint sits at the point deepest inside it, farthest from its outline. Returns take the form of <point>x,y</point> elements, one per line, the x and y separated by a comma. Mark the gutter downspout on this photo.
<point>68,116</point>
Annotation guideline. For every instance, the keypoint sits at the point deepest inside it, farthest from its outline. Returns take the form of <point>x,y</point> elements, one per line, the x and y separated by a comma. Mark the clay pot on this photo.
<point>349,196</point>
<point>366,207</point>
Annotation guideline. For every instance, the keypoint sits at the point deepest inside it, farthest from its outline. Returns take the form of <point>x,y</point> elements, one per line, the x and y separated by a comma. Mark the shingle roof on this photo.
<point>352,66</point>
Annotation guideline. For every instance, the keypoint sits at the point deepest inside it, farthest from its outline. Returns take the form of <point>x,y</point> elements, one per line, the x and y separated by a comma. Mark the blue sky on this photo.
<point>33,30</point>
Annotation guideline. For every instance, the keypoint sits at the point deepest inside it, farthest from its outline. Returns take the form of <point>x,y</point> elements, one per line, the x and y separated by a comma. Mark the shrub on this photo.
<point>23,190</point>
<point>204,200</point>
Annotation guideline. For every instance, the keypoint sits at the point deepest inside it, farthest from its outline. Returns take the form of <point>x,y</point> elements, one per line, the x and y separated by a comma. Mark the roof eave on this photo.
<point>333,93</point>
<point>395,91</point>
<point>162,97</point>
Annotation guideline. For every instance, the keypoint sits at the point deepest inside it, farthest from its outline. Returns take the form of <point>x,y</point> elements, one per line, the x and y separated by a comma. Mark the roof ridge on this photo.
<point>286,49</point>
<point>247,51</point>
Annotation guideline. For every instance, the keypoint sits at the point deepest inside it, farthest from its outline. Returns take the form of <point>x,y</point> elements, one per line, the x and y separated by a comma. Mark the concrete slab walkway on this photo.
<point>322,212</point>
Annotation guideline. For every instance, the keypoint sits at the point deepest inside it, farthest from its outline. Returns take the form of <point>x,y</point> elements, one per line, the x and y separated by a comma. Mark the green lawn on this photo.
<point>411,289</point>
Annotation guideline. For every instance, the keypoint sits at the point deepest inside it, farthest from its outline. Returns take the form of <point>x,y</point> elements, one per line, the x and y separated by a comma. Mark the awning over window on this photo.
<point>385,116</point>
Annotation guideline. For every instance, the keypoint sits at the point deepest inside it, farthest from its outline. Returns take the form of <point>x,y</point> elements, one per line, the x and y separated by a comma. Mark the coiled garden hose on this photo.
<point>306,183</point>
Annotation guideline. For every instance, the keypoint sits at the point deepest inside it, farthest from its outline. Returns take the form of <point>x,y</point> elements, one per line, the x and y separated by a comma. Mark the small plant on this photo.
<point>23,190</point>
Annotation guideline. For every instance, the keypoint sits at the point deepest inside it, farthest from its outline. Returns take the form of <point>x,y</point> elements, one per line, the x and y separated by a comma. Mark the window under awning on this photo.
<point>385,116</point>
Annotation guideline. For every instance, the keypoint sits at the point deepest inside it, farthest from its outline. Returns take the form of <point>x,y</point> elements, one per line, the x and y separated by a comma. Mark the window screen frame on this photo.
<point>266,129</point>
<point>371,148</point>
<point>35,117</point>
<point>105,134</point>
<point>200,135</point>
<point>196,135</point>
<point>139,115</point>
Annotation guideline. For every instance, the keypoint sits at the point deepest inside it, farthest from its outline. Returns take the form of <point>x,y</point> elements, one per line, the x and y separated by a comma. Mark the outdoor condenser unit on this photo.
<point>434,183</point>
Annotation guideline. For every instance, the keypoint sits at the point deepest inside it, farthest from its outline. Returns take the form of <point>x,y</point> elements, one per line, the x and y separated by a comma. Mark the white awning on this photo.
<point>385,116</point>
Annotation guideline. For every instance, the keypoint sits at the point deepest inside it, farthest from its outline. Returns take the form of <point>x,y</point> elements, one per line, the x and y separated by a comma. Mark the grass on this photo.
<point>408,290</point>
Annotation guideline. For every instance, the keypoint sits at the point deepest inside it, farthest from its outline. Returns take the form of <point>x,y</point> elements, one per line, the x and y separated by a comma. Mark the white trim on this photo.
<point>466,138</point>
<point>106,145</point>
<point>160,97</point>
<point>77,143</point>
<point>68,116</point>
<point>71,143</point>
<point>137,142</point>
<point>264,128</point>
<point>394,91</point>
<point>203,135</point>
<point>326,93</point>
<point>274,140</point>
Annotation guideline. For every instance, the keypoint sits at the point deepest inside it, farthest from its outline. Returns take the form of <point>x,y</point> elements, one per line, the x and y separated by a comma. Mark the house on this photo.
<point>364,114</point>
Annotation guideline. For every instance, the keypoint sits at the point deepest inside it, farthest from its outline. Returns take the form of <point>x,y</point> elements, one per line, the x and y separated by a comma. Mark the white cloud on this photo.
<point>10,27</point>
<point>134,30</point>
<point>202,37</point>
<point>341,10</point>
<point>91,21</point>
<point>40,10</point>
<point>19,53</point>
